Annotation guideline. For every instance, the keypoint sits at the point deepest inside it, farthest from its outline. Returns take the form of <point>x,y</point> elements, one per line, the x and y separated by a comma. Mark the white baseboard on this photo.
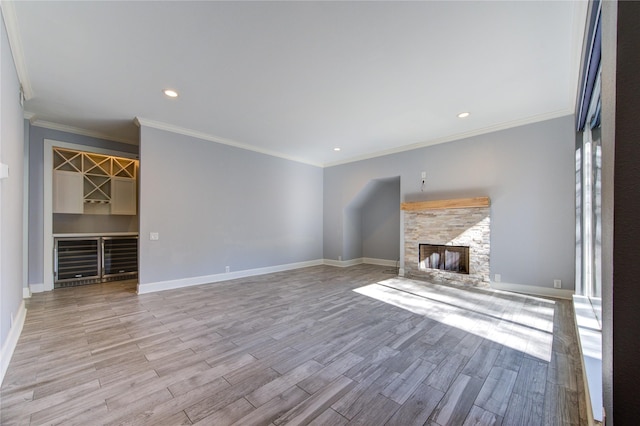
<point>359,261</point>
<point>36,288</point>
<point>208,279</point>
<point>26,292</point>
<point>533,290</point>
<point>381,262</point>
<point>12,340</point>
<point>342,263</point>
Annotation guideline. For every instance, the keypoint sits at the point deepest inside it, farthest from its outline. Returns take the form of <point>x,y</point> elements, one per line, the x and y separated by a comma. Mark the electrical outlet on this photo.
<point>4,171</point>
<point>497,278</point>
<point>227,269</point>
<point>154,236</point>
<point>557,283</point>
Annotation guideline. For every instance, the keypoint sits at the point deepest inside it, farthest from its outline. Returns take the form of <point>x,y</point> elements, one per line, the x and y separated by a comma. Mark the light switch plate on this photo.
<point>154,236</point>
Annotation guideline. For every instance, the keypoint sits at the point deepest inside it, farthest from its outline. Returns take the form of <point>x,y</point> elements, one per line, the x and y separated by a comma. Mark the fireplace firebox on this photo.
<point>445,258</point>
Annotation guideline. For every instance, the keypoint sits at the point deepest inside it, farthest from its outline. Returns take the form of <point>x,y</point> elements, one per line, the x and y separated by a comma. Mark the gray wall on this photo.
<point>352,240</point>
<point>528,172</point>
<point>215,205</point>
<point>381,222</point>
<point>37,135</point>
<point>620,207</point>
<point>371,221</point>
<point>11,189</point>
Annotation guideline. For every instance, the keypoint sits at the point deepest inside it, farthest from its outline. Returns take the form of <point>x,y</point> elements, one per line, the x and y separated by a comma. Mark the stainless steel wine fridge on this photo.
<point>89,260</point>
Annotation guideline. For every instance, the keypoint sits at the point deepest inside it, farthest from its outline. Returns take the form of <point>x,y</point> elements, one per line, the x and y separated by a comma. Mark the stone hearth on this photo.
<point>456,226</point>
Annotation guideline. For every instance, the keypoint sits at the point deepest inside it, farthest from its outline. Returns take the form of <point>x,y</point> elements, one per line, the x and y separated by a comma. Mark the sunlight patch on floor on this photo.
<point>522,323</point>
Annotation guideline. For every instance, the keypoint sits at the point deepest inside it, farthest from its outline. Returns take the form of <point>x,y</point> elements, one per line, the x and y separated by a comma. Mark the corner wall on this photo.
<point>381,222</point>
<point>215,205</point>
<point>527,171</point>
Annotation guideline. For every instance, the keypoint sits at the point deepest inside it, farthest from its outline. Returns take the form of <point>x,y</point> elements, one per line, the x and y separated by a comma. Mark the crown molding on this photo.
<point>77,130</point>
<point>455,137</point>
<point>139,121</point>
<point>11,23</point>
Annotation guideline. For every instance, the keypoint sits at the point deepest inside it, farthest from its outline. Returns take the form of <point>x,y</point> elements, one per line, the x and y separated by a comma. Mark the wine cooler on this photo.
<point>89,260</point>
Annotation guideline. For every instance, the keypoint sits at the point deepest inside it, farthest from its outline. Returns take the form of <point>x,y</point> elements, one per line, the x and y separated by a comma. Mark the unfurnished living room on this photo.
<point>319,212</point>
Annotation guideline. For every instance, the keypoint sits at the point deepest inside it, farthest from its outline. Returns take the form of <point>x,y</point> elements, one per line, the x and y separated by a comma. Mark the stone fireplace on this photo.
<point>448,241</point>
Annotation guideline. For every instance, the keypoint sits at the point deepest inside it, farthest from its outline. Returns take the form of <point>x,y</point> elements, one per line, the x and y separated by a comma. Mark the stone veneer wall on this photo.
<point>456,227</point>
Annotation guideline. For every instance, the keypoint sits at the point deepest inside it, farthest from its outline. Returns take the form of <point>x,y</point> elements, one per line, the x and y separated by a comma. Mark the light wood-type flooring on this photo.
<point>319,346</point>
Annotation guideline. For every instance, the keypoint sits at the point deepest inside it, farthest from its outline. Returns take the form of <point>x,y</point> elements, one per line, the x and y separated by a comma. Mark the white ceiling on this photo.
<point>297,79</point>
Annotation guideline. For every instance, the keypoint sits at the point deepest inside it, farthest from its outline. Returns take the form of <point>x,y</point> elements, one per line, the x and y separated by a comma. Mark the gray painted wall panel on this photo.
<point>352,229</point>
<point>528,172</point>
<point>381,222</point>
<point>215,206</point>
<point>37,135</point>
<point>11,189</point>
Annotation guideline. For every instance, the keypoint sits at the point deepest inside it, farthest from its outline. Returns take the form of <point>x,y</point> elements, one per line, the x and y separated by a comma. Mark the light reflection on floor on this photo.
<point>523,323</point>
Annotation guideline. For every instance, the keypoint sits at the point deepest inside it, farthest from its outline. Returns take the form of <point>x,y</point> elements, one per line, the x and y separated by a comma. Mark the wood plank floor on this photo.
<point>320,346</point>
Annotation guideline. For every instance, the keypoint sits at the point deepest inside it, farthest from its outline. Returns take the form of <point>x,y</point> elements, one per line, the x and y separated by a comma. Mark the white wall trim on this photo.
<point>533,290</point>
<point>47,206</point>
<point>26,293</point>
<point>209,279</point>
<point>36,288</point>
<point>343,263</point>
<point>140,121</point>
<point>12,340</point>
<point>78,131</point>
<point>359,261</point>
<point>212,138</point>
<point>11,23</point>
<point>381,262</point>
<point>458,136</point>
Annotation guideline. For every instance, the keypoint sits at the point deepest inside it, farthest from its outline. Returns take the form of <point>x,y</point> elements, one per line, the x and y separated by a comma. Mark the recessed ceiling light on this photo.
<point>170,93</point>
<point>336,149</point>
<point>463,115</point>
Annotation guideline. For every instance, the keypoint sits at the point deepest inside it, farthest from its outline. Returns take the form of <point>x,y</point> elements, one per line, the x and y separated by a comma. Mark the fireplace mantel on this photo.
<point>458,203</point>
